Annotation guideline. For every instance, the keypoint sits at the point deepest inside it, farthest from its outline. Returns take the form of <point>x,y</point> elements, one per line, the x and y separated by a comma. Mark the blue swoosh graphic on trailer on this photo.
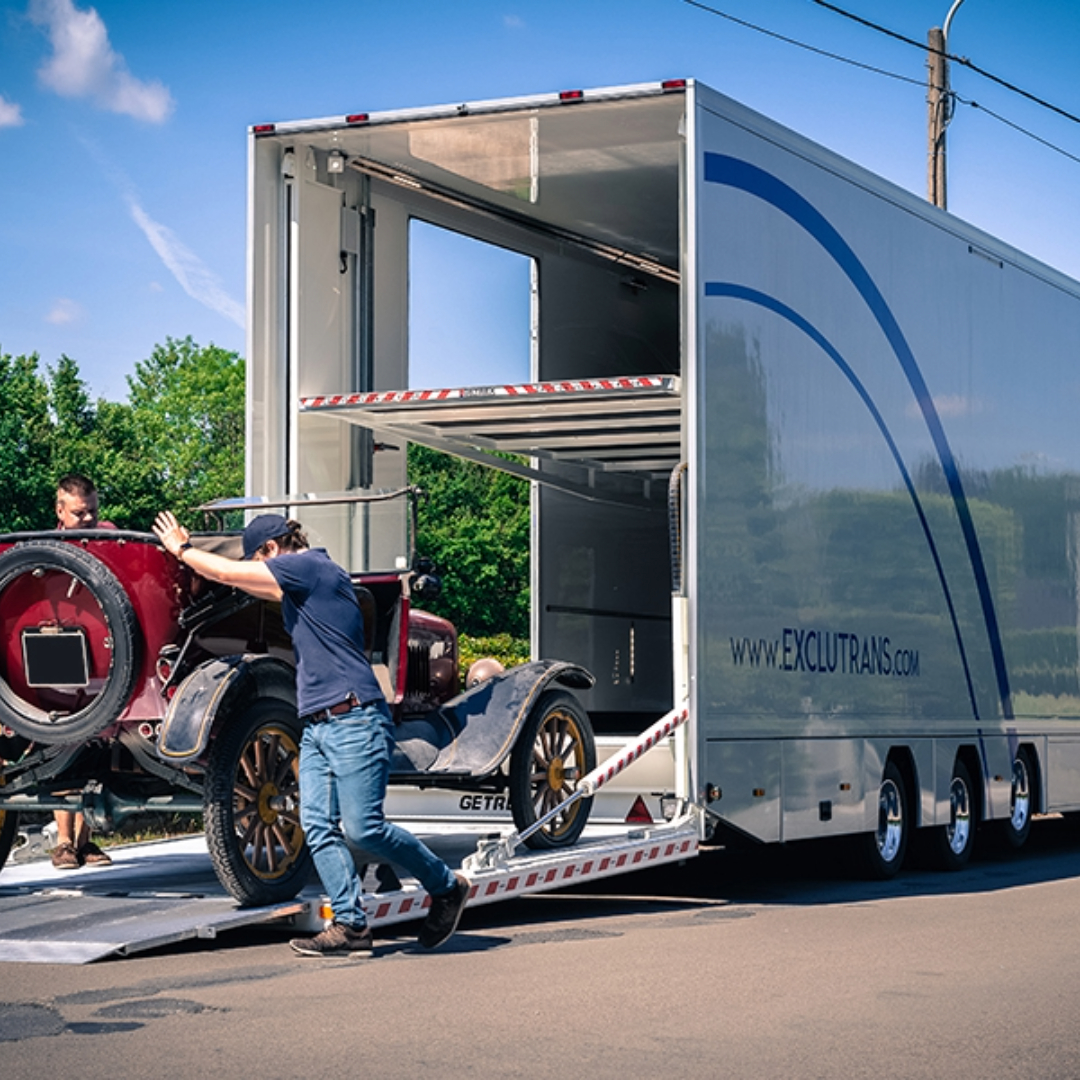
<point>752,296</point>
<point>733,172</point>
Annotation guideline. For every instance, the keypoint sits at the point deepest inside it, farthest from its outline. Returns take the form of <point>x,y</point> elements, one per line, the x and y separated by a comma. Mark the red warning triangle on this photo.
<point>639,813</point>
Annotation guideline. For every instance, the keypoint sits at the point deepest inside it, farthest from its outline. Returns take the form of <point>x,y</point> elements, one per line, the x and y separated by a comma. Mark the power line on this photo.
<point>904,78</point>
<point>962,60</point>
<point>1017,127</point>
<point>803,44</point>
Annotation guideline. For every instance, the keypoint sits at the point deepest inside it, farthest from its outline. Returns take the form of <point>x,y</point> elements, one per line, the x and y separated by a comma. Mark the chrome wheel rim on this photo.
<point>890,828</point>
<point>958,831</point>
<point>1020,798</point>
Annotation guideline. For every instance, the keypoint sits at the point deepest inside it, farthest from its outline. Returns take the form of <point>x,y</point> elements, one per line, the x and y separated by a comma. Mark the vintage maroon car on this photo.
<point>129,684</point>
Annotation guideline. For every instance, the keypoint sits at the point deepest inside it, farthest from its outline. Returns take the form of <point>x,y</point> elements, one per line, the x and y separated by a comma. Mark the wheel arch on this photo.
<point>212,692</point>
<point>1038,790</point>
<point>973,762</point>
<point>903,758</point>
<point>489,716</point>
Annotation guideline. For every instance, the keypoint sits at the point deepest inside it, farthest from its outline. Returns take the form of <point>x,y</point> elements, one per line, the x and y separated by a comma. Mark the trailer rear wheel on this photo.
<point>554,751</point>
<point>881,853</point>
<point>1016,828</point>
<point>950,845</point>
<point>252,805</point>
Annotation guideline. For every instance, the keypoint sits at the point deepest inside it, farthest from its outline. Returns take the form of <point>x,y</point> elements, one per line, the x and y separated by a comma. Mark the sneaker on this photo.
<point>65,857</point>
<point>336,940</point>
<point>445,913</point>
<point>91,855</point>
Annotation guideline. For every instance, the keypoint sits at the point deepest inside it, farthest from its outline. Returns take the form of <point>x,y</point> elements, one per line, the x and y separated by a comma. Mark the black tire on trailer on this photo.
<point>554,750</point>
<point>880,854</point>
<point>251,805</point>
<point>949,846</point>
<point>43,556</point>
<point>1014,830</point>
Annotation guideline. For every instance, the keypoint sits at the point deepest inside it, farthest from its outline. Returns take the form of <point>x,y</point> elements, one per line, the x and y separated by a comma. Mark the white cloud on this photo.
<point>10,113</point>
<point>194,277</point>
<point>83,63</point>
<point>64,311</point>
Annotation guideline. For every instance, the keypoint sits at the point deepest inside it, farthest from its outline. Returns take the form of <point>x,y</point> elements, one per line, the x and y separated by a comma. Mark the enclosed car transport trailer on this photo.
<point>837,423</point>
<point>804,480</point>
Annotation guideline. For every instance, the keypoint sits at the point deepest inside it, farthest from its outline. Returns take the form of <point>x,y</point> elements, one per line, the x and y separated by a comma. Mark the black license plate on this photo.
<point>55,658</point>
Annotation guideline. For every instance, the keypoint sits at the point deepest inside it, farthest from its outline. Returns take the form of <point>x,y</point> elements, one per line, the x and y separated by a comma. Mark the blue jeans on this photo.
<point>344,767</point>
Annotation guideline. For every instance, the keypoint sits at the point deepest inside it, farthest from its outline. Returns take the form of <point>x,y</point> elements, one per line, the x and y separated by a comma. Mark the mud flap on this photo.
<point>212,690</point>
<point>477,729</point>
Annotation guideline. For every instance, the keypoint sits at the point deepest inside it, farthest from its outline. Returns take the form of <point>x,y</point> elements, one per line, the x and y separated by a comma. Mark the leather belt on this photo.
<point>339,709</point>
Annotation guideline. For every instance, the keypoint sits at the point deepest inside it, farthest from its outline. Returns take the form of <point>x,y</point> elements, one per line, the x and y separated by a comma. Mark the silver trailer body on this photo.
<point>873,401</point>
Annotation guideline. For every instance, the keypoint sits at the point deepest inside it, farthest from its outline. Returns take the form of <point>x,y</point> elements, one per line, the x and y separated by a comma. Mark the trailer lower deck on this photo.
<point>165,892</point>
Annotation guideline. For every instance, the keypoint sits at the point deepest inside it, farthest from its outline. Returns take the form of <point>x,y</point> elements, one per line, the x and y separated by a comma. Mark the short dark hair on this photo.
<point>76,484</point>
<point>293,540</point>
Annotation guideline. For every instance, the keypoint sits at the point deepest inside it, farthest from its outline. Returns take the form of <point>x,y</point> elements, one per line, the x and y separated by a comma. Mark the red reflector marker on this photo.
<point>673,84</point>
<point>263,129</point>
<point>571,95</point>
<point>357,118</point>
<point>639,814</point>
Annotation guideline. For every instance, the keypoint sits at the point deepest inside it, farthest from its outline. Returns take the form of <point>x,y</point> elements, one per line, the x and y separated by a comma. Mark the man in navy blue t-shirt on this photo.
<point>348,732</point>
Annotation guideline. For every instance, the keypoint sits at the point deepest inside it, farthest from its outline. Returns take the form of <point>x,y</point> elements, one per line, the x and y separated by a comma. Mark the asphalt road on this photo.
<point>758,965</point>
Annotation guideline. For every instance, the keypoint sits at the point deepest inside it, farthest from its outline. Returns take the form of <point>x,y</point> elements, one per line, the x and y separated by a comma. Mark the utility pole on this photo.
<point>938,109</point>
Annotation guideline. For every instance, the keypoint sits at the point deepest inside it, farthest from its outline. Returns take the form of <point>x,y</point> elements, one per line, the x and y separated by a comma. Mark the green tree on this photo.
<point>98,440</point>
<point>187,406</point>
<point>474,523</point>
<point>178,441</point>
<point>25,442</point>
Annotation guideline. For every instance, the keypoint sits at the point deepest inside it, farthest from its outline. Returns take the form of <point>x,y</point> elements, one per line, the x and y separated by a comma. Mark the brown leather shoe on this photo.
<point>65,857</point>
<point>91,855</point>
<point>336,940</point>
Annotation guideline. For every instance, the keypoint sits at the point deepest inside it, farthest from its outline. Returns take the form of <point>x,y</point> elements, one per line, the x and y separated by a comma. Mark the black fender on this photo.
<point>213,691</point>
<point>482,724</point>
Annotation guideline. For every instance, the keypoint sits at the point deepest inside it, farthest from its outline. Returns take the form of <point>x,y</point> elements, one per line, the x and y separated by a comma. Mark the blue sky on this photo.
<point>123,125</point>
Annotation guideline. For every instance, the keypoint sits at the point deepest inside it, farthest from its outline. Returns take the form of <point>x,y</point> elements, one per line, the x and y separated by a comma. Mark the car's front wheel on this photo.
<point>252,805</point>
<point>554,750</point>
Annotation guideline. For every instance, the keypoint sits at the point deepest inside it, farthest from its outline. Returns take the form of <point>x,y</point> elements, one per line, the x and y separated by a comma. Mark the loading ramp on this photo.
<point>161,893</point>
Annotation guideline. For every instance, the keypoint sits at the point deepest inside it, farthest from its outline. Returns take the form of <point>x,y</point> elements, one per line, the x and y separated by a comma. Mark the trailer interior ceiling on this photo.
<point>604,171</point>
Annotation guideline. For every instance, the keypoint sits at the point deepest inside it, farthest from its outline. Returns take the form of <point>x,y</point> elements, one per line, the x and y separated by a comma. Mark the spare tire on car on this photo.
<point>70,650</point>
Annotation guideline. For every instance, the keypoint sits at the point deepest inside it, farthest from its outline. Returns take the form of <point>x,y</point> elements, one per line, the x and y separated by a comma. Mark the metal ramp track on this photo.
<point>70,927</point>
<point>153,895</point>
<point>619,852</point>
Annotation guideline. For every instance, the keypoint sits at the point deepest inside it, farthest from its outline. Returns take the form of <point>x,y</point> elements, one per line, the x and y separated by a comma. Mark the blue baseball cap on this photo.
<point>259,530</point>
